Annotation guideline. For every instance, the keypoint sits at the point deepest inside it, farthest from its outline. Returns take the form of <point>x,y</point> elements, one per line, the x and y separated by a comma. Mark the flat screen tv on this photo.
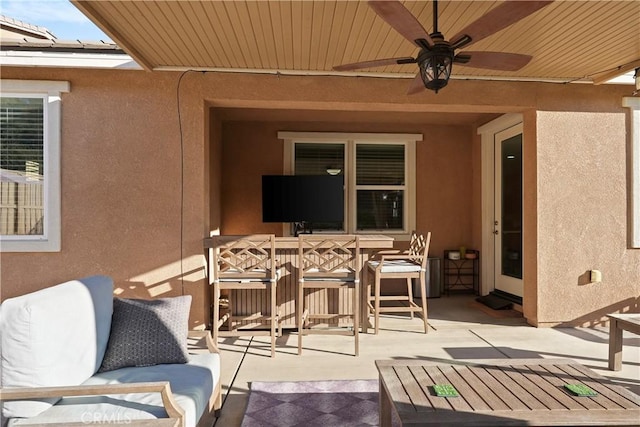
<point>302,198</point>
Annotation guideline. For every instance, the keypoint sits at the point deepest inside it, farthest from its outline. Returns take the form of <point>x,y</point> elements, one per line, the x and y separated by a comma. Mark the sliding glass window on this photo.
<point>379,176</point>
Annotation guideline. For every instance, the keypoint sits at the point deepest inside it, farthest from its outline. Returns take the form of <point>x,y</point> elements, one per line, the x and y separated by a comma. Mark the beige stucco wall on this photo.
<point>121,178</point>
<point>530,217</point>
<point>582,217</point>
<point>121,189</point>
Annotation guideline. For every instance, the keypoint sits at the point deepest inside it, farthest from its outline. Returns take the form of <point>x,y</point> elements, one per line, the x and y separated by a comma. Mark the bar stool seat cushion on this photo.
<point>339,274</point>
<point>252,279</point>
<point>396,266</point>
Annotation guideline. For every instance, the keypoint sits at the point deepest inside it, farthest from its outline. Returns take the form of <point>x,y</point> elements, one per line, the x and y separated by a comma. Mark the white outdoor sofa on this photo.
<point>53,343</point>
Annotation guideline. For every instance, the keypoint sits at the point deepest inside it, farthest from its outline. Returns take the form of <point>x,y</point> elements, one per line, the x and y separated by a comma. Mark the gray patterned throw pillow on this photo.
<point>147,332</point>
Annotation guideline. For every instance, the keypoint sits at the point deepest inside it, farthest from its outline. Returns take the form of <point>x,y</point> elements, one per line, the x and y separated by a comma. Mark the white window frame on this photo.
<point>634,235</point>
<point>50,92</point>
<point>352,140</point>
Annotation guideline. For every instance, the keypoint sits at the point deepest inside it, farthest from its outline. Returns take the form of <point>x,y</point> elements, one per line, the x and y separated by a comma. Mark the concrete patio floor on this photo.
<point>461,329</point>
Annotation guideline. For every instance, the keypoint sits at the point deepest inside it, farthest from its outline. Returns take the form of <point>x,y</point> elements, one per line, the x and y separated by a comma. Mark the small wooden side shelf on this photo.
<point>620,322</point>
<point>461,275</point>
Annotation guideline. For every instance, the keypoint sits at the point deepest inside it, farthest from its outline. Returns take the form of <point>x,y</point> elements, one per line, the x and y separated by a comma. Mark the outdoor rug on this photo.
<point>312,403</point>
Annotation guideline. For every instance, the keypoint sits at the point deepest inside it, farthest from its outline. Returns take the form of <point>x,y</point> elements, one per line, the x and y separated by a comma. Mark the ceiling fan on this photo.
<point>437,55</point>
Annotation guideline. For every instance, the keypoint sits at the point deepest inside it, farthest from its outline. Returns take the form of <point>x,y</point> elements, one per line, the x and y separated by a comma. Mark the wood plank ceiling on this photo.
<point>569,40</point>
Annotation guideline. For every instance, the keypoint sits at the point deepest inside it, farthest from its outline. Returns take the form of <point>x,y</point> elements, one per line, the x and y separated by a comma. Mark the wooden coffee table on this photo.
<point>501,392</point>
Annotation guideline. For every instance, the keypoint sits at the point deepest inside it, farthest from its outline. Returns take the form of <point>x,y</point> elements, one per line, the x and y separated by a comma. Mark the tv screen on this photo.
<point>302,198</point>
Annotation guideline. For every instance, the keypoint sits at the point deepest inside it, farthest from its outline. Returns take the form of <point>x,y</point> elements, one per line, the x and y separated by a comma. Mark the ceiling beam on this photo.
<point>622,69</point>
<point>88,10</point>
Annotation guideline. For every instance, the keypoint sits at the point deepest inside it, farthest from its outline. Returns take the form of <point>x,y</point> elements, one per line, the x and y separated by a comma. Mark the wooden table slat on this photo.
<point>515,388</point>
<point>396,389</point>
<point>498,390</point>
<point>461,384</point>
<point>618,391</point>
<point>555,387</point>
<point>563,378</point>
<point>532,387</point>
<point>616,417</point>
<point>606,397</point>
<point>601,399</point>
<point>483,362</point>
<point>411,385</point>
<point>426,384</point>
<point>456,403</point>
<point>483,390</point>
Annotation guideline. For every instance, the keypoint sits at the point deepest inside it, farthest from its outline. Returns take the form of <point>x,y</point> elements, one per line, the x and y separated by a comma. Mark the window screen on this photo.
<point>320,159</point>
<point>379,164</point>
<point>21,166</point>
<point>380,186</point>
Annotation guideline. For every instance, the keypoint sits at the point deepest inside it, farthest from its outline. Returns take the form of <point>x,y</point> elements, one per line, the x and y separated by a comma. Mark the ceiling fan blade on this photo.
<point>416,85</point>
<point>396,15</point>
<point>374,63</point>
<point>493,60</point>
<point>498,18</point>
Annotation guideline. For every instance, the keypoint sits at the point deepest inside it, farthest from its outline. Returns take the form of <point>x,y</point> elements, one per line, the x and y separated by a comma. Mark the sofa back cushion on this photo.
<point>53,337</point>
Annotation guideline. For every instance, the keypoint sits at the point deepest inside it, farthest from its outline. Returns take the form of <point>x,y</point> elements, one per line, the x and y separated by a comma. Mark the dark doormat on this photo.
<point>494,302</point>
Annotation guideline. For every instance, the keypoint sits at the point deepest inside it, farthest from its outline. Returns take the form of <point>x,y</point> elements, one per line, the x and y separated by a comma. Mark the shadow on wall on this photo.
<point>160,282</point>
<point>585,278</point>
<point>599,317</point>
<point>169,286</point>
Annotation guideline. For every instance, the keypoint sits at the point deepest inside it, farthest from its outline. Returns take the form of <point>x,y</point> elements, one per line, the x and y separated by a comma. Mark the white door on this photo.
<point>508,211</point>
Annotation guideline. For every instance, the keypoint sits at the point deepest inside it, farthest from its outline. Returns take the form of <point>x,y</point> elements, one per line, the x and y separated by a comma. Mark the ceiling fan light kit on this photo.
<point>435,65</point>
<point>437,55</point>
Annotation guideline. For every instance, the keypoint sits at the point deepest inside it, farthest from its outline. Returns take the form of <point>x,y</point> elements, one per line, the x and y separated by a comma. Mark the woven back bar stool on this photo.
<point>328,264</point>
<point>409,265</point>
<point>242,263</point>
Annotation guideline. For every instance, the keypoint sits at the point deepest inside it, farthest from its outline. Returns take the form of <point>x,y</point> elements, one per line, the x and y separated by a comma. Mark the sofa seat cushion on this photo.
<point>192,384</point>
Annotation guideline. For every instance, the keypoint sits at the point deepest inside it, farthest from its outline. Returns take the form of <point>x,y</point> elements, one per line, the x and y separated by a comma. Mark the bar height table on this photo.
<point>287,254</point>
